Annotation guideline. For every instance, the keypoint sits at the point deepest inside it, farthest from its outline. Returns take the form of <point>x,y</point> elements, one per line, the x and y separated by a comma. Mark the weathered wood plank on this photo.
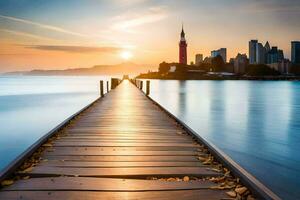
<point>103,184</point>
<point>97,149</point>
<point>124,158</point>
<point>115,144</point>
<point>121,153</point>
<point>87,164</point>
<point>142,172</point>
<point>203,194</point>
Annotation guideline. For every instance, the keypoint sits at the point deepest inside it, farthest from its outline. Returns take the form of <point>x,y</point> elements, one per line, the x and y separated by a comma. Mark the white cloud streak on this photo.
<point>26,34</point>
<point>152,15</point>
<point>43,26</point>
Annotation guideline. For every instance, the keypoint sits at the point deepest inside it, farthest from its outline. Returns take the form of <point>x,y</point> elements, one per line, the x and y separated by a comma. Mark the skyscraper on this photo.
<point>198,59</point>
<point>220,52</point>
<point>252,51</point>
<point>182,48</point>
<point>260,54</point>
<point>296,52</point>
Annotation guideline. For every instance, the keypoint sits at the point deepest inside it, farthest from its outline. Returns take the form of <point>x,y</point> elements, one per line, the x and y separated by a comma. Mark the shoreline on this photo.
<point>224,78</point>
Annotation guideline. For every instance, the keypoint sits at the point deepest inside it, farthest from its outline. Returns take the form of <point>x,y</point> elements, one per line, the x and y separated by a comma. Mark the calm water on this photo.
<point>256,123</point>
<point>32,106</point>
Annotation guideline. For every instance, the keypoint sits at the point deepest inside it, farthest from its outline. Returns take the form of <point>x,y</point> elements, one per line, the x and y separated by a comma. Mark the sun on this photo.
<point>126,55</point>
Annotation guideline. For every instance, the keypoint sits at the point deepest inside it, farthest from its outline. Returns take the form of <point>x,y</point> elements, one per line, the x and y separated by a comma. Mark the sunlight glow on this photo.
<point>126,55</point>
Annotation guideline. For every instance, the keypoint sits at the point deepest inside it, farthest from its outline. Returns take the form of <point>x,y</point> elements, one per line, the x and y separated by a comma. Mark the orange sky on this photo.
<point>68,34</point>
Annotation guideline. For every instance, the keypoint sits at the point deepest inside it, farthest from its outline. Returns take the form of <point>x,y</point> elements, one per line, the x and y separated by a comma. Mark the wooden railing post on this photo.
<point>101,89</point>
<point>107,86</point>
<point>147,88</point>
<point>141,86</point>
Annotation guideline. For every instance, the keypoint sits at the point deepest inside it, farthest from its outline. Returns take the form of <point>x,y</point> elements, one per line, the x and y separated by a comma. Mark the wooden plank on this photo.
<point>133,172</point>
<point>104,184</point>
<point>203,194</point>
<point>87,164</point>
<point>126,137</point>
<point>97,149</point>
<point>120,153</point>
<point>124,158</point>
<point>115,144</point>
<point>122,140</point>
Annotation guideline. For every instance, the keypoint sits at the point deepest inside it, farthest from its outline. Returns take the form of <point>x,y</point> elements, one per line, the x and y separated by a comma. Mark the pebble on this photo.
<point>186,179</point>
<point>241,190</point>
<point>7,182</point>
<point>231,194</point>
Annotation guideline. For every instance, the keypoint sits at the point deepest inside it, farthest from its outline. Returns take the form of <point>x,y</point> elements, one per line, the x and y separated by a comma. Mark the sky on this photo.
<point>60,34</point>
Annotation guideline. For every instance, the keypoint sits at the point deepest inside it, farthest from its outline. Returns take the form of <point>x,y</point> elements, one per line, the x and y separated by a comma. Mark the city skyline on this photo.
<point>59,35</point>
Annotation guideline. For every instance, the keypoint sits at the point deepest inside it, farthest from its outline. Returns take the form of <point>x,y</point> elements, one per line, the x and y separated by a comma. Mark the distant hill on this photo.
<point>119,69</point>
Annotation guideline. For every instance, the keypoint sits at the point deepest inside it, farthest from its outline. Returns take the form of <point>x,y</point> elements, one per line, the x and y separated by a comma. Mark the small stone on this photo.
<point>231,194</point>
<point>241,190</point>
<point>47,145</point>
<point>171,179</point>
<point>7,182</point>
<point>249,197</point>
<point>26,177</point>
<point>186,179</point>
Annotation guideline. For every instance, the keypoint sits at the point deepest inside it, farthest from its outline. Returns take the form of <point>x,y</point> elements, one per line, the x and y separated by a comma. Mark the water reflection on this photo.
<point>32,106</point>
<point>257,123</point>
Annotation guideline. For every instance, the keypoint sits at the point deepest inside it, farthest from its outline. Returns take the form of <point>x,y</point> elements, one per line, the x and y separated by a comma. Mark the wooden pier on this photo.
<point>123,146</point>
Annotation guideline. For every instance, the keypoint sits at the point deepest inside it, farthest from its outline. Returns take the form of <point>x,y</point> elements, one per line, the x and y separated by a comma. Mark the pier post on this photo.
<point>107,86</point>
<point>147,88</point>
<point>141,85</point>
<point>101,89</point>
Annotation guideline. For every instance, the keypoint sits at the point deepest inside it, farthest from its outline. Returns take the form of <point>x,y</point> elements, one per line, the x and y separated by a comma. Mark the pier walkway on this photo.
<point>122,147</point>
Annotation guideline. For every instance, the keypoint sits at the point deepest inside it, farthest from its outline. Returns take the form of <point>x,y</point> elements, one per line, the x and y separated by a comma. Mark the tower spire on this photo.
<point>182,33</point>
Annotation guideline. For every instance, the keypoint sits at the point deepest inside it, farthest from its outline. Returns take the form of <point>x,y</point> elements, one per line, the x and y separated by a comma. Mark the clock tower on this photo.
<point>182,48</point>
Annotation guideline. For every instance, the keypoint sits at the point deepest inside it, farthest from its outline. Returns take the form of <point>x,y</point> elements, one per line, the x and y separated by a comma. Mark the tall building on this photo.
<point>182,48</point>
<point>240,63</point>
<point>260,54</point>
<point>198,59</point>
<point>295,52</point>
<point>220,52</point>
<point>252,51</point>
<point>273,55</point>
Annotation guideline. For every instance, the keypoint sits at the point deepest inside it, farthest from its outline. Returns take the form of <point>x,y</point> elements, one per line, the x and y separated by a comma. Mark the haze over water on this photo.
<point>32,106</point>
<point>256,123</point>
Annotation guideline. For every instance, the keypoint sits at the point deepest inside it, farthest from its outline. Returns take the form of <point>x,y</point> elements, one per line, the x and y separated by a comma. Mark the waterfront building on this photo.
<point>182,48</point>
<point>282,66</point>
<point>220,52</point>
<point>198,59</point>
<point>252,51</point>
<point>295,52</point>
<point>260,54</point>
<point>240,63</point>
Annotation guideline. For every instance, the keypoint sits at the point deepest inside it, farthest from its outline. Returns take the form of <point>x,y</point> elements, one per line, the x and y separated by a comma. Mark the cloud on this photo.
<point>43,26</point>
<point>74,49</point>
<point>152,15</point>
<point>26,34</point>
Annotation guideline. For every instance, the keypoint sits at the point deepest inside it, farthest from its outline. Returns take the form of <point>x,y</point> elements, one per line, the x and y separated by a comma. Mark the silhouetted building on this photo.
<point>260,54</point>
<point>282,66</point>
<point>220,52</point>
<point>295,52</point>
<point>252,51</point>
<point>198,59</point>
<point>240,63</point>
<point>275,55</point>
<point>182,48</point>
